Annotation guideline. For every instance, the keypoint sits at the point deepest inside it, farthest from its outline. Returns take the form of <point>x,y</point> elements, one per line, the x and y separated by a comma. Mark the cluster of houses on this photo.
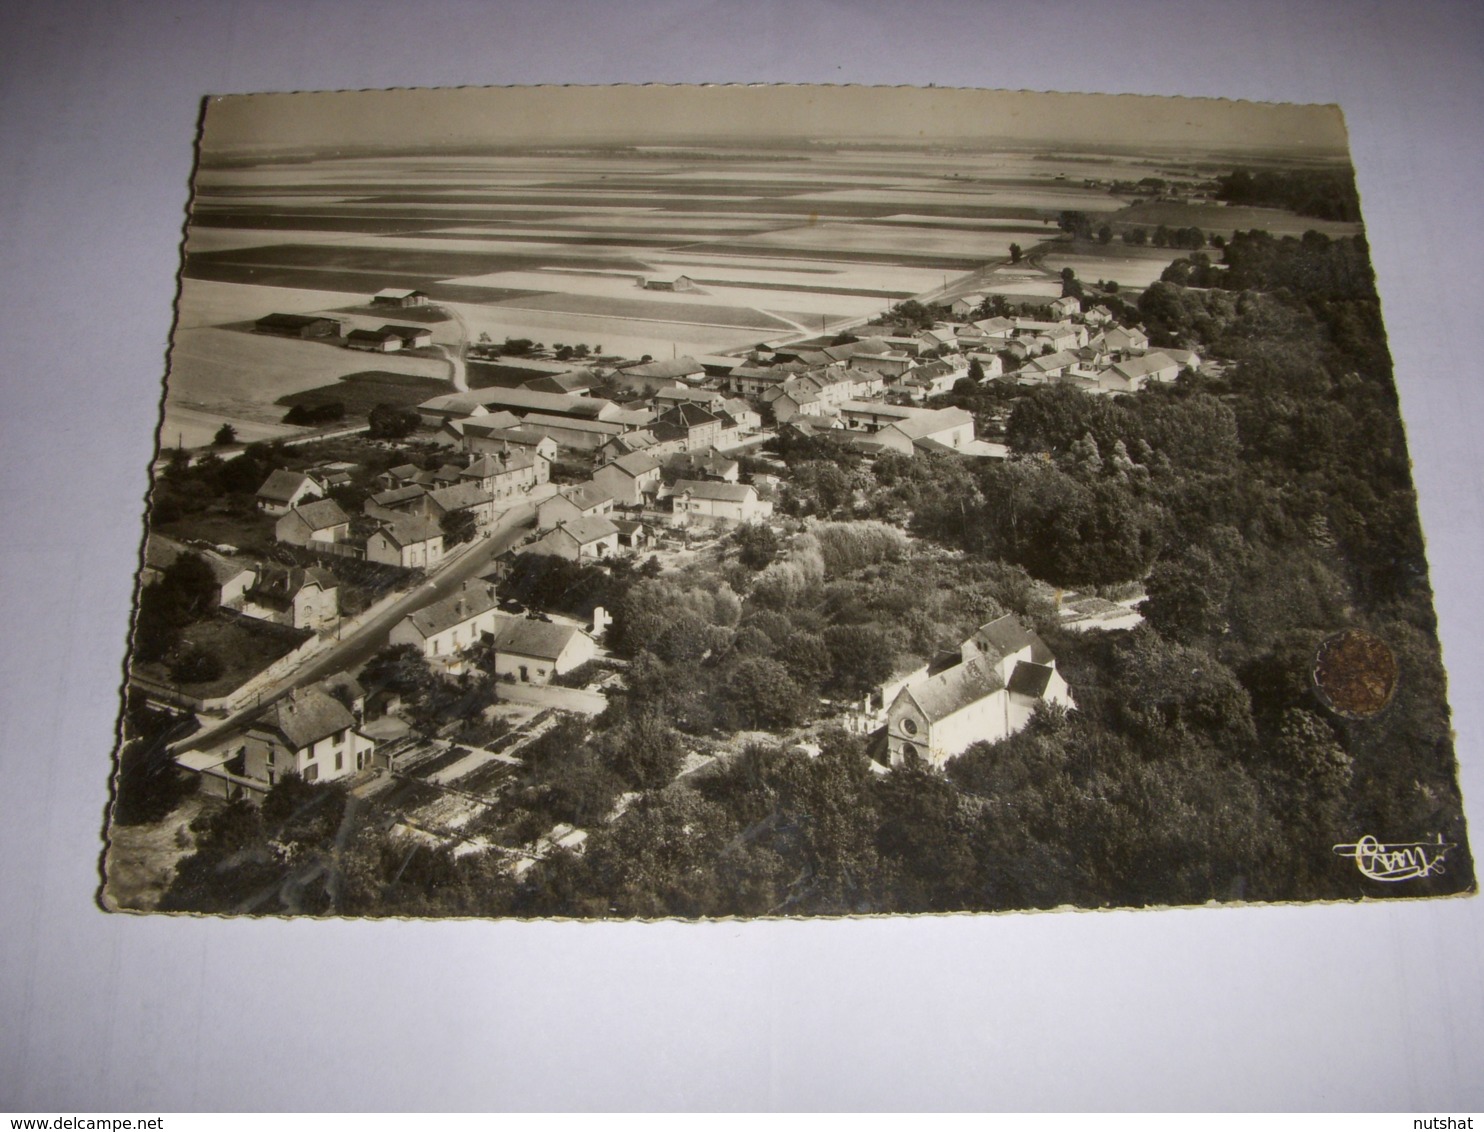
<point>301,597</point>
<point>329,730</point>
<point>667,456</point>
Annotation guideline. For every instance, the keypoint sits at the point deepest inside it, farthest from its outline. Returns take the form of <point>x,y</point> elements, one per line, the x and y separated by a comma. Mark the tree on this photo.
<point>224,436</point>
<point>1105,234</point>
<point>761,693</point>
<point>1015,253</point>
<point>759,545</point>
<point>389,422</point>
<point>976,371</point>
<point>458,527</point>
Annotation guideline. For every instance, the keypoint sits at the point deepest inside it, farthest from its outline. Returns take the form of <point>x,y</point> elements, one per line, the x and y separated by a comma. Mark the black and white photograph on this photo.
<point>777,501</point>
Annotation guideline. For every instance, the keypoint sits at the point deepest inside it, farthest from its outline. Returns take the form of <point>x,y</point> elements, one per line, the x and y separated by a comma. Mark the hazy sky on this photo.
<point>657,114</point>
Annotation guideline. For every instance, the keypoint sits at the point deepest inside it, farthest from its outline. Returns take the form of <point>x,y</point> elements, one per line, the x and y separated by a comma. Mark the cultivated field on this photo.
<point>550,246</point>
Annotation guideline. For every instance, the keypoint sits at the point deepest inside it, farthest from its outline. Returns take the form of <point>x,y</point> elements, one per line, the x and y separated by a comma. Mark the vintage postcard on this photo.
<point>778,501</point>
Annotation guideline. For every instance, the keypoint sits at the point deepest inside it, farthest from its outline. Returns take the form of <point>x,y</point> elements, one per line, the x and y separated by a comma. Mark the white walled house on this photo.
<point>581,501</point>
<point>284,489</point>
<point>708,499</point>
<point>629,478</point>
<point>1001,675</point>
<point>532,652</point>
<point>446,627</point>
<point>320,521</point>
<point>576,539</point>
<point>307,733</point>
<point>411,542</point>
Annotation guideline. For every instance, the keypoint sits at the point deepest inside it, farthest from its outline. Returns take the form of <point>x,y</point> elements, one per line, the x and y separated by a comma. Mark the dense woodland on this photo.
<point>1262,509</point>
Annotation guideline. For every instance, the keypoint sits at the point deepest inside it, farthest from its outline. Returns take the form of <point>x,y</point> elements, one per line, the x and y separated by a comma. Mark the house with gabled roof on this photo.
<point>398,297</point>
<point>532,652</point>
<point>576,539</point>
<point>411,337</point>
<point>706,465</point>
<point>307,733</point>
<point>1097,316</point>
<point>283,489</point>
<point>575,382</point>
<point>933,379</point>
<point>233,576</point>
<point>383,341</point>
<point>1122,341</point>
<point>710,499</point>
<point>666,369</point>
<point>495,434</point>
<point>673,395</point>
<point>579,501</point>
<point>399,501</point>
<point>465,617</point>
<point>985,691</point>
<point>569,432</point>
<point>965,305</point>
<point>701,427</point>
<point>465,496</point>
<point>1066,306</point>
<point>1132,374</point>
<point>508,472</point>
<point>952,428</point>
<point>753,381</point>
<point>301,597</point>
<point>320,521</point>
<point>629,478</point>
<point>298,326</point>
<point>410,541</point>
<point>937,337</point>
<point>1045,369</point>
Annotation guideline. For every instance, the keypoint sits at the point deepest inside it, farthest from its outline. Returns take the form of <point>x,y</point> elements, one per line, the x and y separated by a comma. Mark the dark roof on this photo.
<point>670,367</point>
<point>541,639</point>
<point>305,716</point>
<point>954,689</point>
<point>320,514</point>
<point>372,335</point>
<point>1006,635</point>
<point>160,552</point>
<point>467,602</point>
<point>281,485</point>
<point>404,331</point>
<point>398,495</point>
<point>292,321</point>
<point>687,415</point>
<point>278,586</point>
<point>1030,679</point>
<point>708,489</point>
<point>635,464</point>
<point>588,529</point>
<point>411,529</point>
<point>460,496</point>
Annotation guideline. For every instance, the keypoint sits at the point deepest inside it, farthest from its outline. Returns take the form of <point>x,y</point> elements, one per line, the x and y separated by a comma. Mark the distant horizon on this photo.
<point>553,117</point>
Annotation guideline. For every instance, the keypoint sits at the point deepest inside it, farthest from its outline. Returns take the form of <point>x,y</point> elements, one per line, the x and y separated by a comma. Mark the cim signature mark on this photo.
<point>1409,860</point>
